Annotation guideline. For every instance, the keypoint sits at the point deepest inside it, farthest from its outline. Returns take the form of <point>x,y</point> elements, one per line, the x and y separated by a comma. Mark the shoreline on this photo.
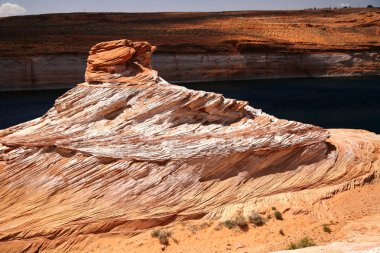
<point>210,82</point>
<point>64,71</point>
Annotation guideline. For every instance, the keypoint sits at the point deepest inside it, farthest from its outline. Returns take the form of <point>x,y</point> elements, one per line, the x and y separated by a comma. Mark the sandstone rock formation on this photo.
<point>51,52</point>
<point>121,61</point>
<point>126,151</point>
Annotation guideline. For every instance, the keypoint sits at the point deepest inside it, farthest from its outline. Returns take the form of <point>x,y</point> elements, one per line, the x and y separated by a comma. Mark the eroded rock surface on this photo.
<point>127,151</point>
<point>122,61</point>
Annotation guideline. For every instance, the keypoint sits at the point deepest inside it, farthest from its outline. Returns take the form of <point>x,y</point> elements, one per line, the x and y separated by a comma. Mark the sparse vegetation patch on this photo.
<point>256,219</point>
<point>162,235</point>
<point>326,228</point>
<point>229,224</point>
<point>241,221</point>
<point>303,243</point>
<point>278,215</point>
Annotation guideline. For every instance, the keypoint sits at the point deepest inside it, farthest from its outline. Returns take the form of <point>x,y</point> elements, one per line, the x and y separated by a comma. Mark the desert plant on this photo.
<point>278,215</point>
<point>164,239</point>
<point>303,243</point>
<point>241,221</point>
<point>229,224</point>
<point>269,216</point>
<point>306,242</point>
<point>162,235</point>
<point>155,233</point>
<point>256,219</point>
<point>274,208</point>
<point>326,228</point>
<point>292,246</point>
<point>281,232</point>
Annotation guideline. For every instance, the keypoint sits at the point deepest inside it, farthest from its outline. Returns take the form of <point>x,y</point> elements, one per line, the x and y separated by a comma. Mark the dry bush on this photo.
<point>256,219</point>
<point>303,243</point>
<point>241,221</point>
<point>229,224</point>
<point>326,228</point>
<point>278,215</point>
<point>162,235</point>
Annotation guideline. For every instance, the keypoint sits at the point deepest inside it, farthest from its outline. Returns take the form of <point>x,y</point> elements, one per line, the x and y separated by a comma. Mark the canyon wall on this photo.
<point>50,52</point>
<point>41,72</point>
<point>257,65</point>
<point>64,70</point>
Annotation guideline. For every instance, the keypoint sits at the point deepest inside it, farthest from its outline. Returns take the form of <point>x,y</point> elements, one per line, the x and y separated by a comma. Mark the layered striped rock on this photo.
<point>125,152</point>
<point>120,61</point>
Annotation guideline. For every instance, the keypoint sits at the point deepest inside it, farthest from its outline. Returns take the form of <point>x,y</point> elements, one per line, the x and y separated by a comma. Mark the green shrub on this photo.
<point>326,228</point>
<point>274,208</point>
<point>303,243</point>
<point>278,215</point>
<point>229,224</point>
<point>256,219</point>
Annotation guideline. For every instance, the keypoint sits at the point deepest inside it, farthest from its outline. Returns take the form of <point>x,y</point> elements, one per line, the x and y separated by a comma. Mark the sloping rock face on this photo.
<point>126,151</point>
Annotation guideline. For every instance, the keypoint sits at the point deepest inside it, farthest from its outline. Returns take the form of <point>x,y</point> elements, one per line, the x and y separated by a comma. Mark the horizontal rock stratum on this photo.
<point>126,151</point>
<point>51,51</point>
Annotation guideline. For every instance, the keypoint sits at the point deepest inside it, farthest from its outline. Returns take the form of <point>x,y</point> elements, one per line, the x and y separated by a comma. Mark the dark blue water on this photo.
<point>327,102</point>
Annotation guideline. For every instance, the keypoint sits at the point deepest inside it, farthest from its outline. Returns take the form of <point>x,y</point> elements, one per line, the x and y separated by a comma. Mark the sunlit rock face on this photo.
<point>127,151</point>
<point>51,51</point>
<point>121,61</point>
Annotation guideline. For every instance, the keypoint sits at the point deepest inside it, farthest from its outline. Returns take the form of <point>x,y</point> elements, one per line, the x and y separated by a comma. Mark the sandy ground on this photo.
<point>353,216</point>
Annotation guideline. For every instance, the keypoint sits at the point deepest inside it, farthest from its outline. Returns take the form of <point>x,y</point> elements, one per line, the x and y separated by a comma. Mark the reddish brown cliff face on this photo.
<point>127,151</point>
<point>120,62</point>
<point>51,51</point>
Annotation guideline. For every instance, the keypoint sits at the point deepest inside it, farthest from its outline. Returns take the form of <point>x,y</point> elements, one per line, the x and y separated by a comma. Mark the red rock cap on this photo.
<point>120,61</point>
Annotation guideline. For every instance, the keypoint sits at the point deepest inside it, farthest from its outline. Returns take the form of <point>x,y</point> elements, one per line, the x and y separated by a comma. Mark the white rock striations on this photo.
<point>127,151</point>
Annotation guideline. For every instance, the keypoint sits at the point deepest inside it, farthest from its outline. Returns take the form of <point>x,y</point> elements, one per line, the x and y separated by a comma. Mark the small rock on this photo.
<point>218,227</point>
<point>239,246</point>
